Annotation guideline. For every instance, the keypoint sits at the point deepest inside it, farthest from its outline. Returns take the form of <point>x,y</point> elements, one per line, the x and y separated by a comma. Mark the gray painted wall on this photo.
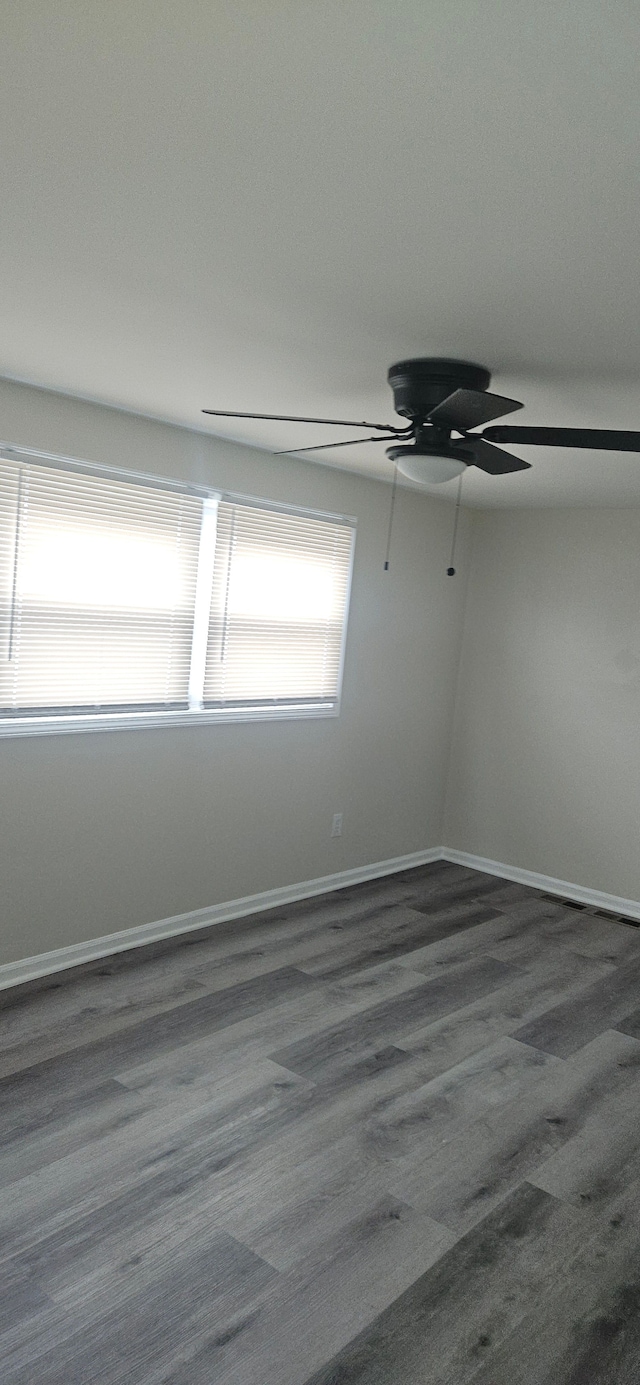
<point>545,766</point>
<point>104,831</point>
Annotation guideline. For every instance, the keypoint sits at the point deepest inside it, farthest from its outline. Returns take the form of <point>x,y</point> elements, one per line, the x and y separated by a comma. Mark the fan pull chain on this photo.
<point>393,503</point>
<point>451,572</point>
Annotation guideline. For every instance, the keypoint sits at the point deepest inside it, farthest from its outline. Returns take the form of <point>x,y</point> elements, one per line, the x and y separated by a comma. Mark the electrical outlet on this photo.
<point>336,825</point>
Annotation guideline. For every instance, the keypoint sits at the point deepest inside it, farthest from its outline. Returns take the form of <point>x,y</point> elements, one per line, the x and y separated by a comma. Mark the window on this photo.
<point>131,601</point>
<point>277,610</point>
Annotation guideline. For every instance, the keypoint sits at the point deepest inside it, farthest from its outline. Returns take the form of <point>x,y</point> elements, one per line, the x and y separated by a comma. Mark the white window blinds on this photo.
<point>98,581</point>
<point>134,597</point>
<point>280,588</point>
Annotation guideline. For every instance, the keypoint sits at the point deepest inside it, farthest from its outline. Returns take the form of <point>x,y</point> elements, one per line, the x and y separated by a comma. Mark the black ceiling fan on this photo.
<point>442,397</point>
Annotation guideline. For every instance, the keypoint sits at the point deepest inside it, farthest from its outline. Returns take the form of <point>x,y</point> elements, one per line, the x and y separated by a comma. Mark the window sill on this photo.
<point>121,721</point>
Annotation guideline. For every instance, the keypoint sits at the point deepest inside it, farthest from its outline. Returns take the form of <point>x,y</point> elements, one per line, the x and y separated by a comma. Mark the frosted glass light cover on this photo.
<point>430,470</point>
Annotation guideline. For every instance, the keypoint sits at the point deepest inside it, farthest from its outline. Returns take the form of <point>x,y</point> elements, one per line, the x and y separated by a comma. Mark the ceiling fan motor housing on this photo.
<point>420,384</point>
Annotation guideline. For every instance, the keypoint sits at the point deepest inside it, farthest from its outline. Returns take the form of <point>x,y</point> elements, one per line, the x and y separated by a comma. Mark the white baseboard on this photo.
<point>46,963</point>
<point>596,899</point>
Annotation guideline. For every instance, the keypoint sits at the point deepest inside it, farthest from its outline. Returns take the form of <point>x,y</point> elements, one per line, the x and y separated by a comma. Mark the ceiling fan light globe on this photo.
<point>430,470</point>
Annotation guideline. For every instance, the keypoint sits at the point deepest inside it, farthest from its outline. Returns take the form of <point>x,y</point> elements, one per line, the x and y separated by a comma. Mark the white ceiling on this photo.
<point>261,204</point>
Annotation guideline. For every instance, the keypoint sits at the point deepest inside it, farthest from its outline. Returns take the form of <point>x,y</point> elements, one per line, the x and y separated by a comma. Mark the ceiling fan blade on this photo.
<point>494,461</point>
<point>287,418</point>
<point>466,409</point>
<point>320,447</point>
<point>605,439</point>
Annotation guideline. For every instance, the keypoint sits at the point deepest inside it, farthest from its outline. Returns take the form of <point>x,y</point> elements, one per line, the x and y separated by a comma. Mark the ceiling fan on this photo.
<point>441,397</point>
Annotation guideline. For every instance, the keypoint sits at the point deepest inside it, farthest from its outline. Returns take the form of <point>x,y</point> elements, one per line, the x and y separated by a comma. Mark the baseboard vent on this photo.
<point>616,918</point>
<point>597,913</point>
<point>567,903</point>
<point>613,906</point>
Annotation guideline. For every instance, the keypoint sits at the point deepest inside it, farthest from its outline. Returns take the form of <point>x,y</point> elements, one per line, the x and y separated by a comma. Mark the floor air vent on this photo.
<point>566,903</point>
<point>597,913</point>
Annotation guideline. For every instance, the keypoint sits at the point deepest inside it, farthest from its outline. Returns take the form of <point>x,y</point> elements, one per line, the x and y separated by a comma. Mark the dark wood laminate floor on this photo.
<point>390,1136</point>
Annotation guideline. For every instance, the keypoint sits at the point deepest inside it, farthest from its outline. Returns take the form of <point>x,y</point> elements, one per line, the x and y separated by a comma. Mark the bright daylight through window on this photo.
<point>132,601</point>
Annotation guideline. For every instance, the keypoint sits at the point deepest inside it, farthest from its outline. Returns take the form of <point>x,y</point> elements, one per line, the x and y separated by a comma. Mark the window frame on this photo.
<point>69,722</point>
